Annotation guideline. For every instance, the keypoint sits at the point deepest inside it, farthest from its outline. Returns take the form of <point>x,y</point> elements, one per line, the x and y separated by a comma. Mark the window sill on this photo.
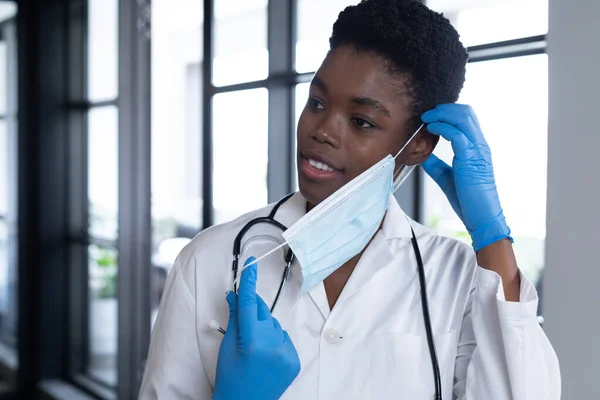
<point>8,365</point>
<point>60,390</point>
<point>96,389</point>
<point>8,357</point>
<point>82,388</point>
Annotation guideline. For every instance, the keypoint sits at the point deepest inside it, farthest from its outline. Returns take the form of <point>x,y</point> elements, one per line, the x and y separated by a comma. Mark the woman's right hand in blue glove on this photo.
<point>257,359</point>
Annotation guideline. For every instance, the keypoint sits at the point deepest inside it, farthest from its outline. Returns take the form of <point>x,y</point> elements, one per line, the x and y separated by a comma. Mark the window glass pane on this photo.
<point>510,98</point>
<point>4,165</point>
<point>3,77</point>
<point>102,49</point>
<point>4,281</point>
<point>301,94</point>
<point>8,196</point>
<point>240,153</point>
<point>103,171</point>
<point>241,53</point>
<point>489,21</point>
<point>103,314</point>
<point>8,10</point>
<point>8,287</point>
<point>315,23</point>
<point>176,133</point>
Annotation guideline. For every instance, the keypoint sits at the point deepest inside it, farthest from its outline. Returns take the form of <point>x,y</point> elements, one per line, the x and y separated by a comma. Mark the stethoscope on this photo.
<point>289,258</point>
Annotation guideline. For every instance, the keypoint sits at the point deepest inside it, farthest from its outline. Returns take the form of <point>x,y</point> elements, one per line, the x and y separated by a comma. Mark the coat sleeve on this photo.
<point>174,368</point>
<point>503,353</point>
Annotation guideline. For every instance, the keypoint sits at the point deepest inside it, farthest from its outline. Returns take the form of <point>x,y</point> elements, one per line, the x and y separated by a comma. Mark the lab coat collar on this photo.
<point>395,225</point>
<point>378,255</point>
<point>292,210</point>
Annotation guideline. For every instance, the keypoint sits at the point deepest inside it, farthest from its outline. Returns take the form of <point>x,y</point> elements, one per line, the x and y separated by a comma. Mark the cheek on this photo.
<point>362,159</point>
<point>304,124</point>
<point>365,154</point>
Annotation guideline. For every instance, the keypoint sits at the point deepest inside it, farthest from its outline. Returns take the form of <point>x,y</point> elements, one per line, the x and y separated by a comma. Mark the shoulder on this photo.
<point>214,245</point>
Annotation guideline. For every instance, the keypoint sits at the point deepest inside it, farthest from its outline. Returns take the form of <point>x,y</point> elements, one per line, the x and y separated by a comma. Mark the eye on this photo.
<point>315,104</point>
<point>362,123</point>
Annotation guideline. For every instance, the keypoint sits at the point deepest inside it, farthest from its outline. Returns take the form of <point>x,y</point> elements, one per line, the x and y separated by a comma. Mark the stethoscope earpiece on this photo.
<point>214,325</point>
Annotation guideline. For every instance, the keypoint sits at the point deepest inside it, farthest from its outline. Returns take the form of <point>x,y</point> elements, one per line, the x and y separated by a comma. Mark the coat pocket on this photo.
<point>401,365</point>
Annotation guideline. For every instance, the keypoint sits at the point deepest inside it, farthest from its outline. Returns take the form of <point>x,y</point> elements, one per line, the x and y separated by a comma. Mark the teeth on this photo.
<point>320,165</point>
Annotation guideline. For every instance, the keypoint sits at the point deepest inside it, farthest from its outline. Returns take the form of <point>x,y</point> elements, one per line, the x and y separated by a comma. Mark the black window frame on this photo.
<point>9,360</point>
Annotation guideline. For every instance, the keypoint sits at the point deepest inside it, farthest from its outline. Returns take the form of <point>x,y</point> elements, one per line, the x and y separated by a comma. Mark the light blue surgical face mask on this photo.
<point>343,224</point>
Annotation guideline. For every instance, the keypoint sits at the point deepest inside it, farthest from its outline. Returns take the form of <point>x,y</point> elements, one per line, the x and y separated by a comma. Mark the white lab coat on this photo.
<point>372,344</point>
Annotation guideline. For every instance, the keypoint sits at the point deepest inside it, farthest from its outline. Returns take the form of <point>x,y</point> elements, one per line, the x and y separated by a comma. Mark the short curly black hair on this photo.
<point>421,45</point>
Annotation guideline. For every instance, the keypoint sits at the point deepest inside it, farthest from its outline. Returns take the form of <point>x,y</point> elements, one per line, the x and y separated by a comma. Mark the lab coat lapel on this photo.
<point>379,255</point>
<point>290,212</point>
<point>376,257</point>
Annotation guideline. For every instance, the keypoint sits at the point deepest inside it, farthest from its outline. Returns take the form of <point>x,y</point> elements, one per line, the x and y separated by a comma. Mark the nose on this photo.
<point>328,133</point>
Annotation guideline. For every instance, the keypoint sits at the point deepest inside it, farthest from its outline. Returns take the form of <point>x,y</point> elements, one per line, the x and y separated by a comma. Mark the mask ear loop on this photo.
<point>239,276</point>
<point>397,173</point>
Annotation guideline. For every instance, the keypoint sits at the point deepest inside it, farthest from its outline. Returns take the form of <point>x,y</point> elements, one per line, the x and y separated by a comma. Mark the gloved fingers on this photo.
<point>263,310</point>
<point>458,140</point>
<point>459,115</point>
<point>247,301</point>
<point>276,324</point>
<point>438,170</point>
<point>464,110</point>
<point>232,302</point>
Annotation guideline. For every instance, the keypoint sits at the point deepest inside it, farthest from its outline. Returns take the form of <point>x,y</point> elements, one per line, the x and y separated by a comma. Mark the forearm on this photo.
<point>500,258</point>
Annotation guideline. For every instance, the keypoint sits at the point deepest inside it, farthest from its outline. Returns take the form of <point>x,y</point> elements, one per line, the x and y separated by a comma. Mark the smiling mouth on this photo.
<point>317,171</point>
<point>321,165</point>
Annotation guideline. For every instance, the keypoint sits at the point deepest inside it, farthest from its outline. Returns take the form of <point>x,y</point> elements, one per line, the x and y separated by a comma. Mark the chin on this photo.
<point>314,193</point>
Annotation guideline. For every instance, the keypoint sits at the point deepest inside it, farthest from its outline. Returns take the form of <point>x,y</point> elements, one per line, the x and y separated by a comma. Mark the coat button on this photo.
<point>332,336</point>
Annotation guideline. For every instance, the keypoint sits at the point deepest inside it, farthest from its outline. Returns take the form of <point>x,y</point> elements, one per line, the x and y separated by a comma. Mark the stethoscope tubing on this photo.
<point>290,258</point>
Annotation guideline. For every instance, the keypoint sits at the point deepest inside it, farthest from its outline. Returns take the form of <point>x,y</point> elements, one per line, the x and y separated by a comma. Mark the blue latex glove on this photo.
<point>257,359</point>
<point>469,184</point>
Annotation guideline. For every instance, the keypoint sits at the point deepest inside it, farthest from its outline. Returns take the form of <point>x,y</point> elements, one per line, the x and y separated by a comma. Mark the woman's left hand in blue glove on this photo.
<point>469,183</point>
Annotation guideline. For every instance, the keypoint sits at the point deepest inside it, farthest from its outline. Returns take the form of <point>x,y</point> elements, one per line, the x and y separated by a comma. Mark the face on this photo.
<point>355,115</point>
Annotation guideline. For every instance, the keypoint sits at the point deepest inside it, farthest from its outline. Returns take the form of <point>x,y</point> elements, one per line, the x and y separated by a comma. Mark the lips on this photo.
<point>321,159</point>
<point>317,168</point>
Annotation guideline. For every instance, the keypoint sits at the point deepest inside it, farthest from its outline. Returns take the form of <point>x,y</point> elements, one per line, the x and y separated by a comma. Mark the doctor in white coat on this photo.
<point>360,332</point>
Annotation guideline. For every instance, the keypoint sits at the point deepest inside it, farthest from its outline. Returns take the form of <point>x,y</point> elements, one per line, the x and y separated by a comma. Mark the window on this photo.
<point>241,53</point>
<point>95,183</point>
<point>508,89</point>
<point>177,163</point>
<point>315,22</point>
<point>102,255</point>
<point>301,97</point>
<point>242,138</point>
<point>8,185</point>
<point>480,22</point>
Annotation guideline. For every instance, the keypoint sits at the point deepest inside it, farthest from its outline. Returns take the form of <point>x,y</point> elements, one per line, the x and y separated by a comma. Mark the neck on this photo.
<point>309,206</point>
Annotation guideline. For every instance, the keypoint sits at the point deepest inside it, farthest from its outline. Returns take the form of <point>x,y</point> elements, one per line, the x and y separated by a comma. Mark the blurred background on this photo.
<point>128,126</point>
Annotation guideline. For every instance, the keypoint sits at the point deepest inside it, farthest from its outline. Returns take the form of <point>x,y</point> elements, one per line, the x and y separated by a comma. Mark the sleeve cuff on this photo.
<point>491,283</point>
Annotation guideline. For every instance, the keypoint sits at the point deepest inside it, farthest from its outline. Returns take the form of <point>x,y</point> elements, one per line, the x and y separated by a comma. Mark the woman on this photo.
<point>359,332</point>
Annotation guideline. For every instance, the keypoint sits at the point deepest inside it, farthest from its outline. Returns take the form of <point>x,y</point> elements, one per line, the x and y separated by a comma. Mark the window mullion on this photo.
<point>280,37</point>
<point>134,196</point>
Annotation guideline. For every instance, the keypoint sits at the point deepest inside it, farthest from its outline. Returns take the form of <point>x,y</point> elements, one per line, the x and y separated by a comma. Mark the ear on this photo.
<point>421,147</point>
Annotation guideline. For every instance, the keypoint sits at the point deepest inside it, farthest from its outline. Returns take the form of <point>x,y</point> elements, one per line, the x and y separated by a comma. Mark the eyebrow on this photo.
<point>318,82</point>
<point>367,101</point>
<point>361,101</point>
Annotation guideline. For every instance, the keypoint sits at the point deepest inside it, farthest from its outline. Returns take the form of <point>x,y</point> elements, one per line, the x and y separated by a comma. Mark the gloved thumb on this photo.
<point>438,170</point>
<point>443,175</point>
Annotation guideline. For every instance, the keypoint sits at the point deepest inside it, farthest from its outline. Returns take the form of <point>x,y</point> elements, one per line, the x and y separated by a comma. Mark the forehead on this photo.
<point>351,72</point>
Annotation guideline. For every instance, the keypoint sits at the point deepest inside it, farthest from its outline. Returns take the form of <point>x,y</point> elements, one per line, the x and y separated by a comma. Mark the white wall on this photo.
<point>572,278</point>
